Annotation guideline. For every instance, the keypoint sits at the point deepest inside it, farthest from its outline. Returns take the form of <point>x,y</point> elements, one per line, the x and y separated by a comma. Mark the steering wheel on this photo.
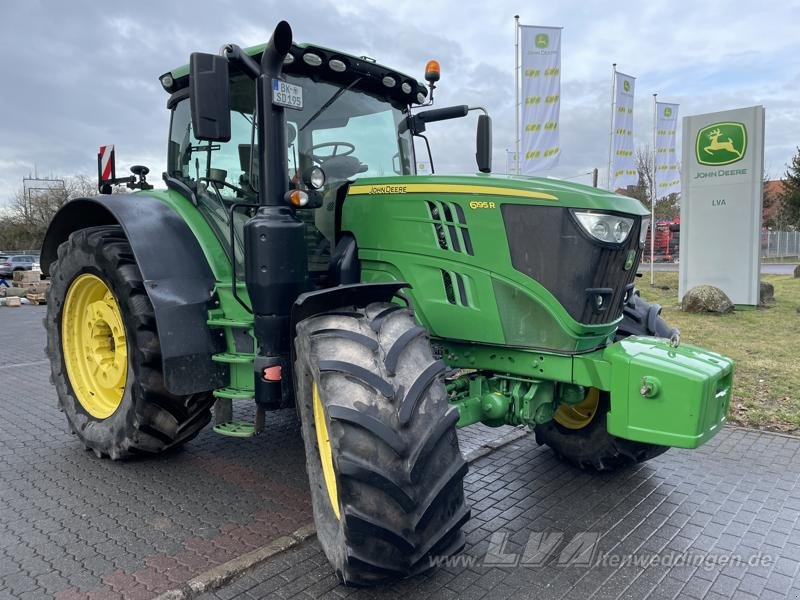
<point>317,158</point>
<point>223,184</point>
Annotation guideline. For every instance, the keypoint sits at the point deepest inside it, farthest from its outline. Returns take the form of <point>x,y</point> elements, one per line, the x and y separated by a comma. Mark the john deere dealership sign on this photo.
<point>721,202</point>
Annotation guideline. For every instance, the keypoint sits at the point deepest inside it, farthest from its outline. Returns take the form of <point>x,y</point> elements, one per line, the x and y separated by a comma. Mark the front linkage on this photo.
<point>496,400</point>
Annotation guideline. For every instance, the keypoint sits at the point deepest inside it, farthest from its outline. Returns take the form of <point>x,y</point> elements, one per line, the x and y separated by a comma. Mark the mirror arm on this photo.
<point>235,54</point>
<point>412,123</point>
<point>428,146</point>
<point>480,108</point>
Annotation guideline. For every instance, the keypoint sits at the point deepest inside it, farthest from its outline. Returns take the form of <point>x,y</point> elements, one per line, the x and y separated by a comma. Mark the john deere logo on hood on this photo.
<point>542,40</point>
<point>721,143</point>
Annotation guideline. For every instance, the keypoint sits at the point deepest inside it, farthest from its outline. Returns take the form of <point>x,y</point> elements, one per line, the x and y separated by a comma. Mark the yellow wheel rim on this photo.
<point>94,346</point>
<point>325,451</point>
<point>579,415</point>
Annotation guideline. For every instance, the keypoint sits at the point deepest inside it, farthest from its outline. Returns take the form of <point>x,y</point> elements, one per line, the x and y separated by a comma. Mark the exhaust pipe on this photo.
<point>276,262</point>
<point>273,163</point>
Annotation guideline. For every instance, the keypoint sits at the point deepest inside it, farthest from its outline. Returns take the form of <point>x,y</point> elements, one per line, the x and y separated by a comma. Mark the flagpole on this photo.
<point>653,198</point>
<point>516,85</point>
<point>611,126</point>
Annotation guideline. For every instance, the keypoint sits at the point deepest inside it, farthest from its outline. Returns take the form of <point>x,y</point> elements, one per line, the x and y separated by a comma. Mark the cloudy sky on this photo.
<point>79,74</point>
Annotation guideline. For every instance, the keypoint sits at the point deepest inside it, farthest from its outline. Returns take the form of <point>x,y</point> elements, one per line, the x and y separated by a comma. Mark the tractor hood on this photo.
<point>506,260</point>
<point>536,190</point>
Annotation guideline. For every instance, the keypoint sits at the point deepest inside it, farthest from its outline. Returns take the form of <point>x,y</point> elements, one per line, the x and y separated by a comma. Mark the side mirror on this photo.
<point>483,144</point>
<point>209,97</point>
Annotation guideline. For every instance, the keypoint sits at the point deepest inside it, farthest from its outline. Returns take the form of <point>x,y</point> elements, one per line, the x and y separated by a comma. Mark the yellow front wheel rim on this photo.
<point>325,451</point>
<point>579,415</point>
<point>94,346</point>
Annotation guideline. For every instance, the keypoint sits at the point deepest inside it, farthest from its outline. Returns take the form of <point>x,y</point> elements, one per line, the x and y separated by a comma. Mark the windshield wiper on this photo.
<point>330,101</point>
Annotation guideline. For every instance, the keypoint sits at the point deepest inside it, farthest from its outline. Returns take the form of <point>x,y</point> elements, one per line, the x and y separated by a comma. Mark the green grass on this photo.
<point>780,260</point>
<point>765,343</point>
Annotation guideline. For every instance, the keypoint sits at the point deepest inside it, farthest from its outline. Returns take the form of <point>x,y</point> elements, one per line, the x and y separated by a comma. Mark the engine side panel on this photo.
<point>447,237</point>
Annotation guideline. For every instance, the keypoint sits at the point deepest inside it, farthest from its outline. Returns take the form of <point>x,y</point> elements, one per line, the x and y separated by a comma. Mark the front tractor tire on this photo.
<point>578,434</point>
<point>382,456</point>
<point>105,354</point>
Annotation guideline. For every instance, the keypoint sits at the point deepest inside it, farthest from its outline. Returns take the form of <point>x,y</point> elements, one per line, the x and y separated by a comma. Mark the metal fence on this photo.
<point>780,244</point>
<point>776,246</point>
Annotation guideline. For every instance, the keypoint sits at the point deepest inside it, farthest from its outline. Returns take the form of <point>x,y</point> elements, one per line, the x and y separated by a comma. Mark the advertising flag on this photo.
<point>540,102</point>
<point>668,176</point>
<point>623,162</point>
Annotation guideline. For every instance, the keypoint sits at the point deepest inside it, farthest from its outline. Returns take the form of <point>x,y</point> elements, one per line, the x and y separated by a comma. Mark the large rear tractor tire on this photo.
<point>105,354</point>
<point>382,455</point>
<point>578,434</point>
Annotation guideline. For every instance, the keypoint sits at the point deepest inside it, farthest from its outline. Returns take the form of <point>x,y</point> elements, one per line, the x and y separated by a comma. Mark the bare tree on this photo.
<point>36,207</point>
<point>25,221</point>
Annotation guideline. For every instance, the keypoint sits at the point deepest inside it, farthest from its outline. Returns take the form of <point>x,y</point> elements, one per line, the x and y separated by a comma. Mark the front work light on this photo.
<point>612,229</point>
<point>167,81</point>
<point>643,230</point>
<point>337,65</point>
<point>311,59</point>
<point>314,178</point>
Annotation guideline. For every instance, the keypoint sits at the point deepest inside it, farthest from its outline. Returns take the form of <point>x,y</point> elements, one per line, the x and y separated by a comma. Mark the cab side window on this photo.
<point>180,142</point>
<point>223,170</point>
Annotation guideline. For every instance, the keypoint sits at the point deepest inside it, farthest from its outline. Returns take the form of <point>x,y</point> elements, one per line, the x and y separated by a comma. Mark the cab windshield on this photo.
<point>346,132</point>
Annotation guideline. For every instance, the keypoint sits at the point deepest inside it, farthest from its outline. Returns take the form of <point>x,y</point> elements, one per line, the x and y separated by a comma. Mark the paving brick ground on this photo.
<point>736,497</point>
<point>74,526</point>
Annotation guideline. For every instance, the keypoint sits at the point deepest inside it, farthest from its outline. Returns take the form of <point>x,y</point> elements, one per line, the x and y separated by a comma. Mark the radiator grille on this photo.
<point>548,245</point>
<point>455,288</point>
<point>450,226</point>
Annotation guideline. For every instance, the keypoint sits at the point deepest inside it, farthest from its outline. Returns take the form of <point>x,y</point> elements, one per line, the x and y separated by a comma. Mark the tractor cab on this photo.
<point>351,122</point>
<point>345,118</point>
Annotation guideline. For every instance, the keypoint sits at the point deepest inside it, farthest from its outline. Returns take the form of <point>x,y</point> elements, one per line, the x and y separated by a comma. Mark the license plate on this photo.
<point>287,94</point>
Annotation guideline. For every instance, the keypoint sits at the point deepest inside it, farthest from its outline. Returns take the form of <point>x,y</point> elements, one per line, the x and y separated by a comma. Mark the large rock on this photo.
<point>797,271</point>
<point>706,298</point>
<point>766,294</point>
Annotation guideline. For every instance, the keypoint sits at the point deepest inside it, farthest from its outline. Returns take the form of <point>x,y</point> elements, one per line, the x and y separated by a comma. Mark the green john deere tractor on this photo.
<point>296,259</point>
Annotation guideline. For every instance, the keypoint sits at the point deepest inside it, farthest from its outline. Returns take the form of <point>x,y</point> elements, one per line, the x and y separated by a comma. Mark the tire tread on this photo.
<point>399,469</point>
<point>162,420</point>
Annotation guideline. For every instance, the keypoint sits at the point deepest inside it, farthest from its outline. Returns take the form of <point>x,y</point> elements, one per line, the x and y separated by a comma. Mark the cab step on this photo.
<point>235,359</point>
<point>223,322</point>
<point>233,393</point>
<point>238,429</point>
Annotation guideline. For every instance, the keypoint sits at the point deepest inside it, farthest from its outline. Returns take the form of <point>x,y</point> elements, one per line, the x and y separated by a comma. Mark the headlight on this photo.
<point>314,178</point>
<point>608,228</point>
<point>643,230</point>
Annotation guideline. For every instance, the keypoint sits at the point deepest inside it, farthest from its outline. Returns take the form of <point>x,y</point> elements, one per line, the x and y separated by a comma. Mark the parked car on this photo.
<point>23,262</point>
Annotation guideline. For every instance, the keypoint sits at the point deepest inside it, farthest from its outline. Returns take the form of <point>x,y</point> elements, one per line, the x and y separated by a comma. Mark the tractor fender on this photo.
<point>319,301</point>
<point>354,294</point>
<point>176,275</point>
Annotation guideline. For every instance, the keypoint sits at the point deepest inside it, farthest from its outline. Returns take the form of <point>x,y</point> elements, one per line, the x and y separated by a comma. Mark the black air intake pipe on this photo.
<point>276,263</point>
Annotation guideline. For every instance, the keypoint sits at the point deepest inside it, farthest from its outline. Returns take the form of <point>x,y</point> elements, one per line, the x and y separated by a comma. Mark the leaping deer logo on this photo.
<point>716,144</point>
<point>721,143</point>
